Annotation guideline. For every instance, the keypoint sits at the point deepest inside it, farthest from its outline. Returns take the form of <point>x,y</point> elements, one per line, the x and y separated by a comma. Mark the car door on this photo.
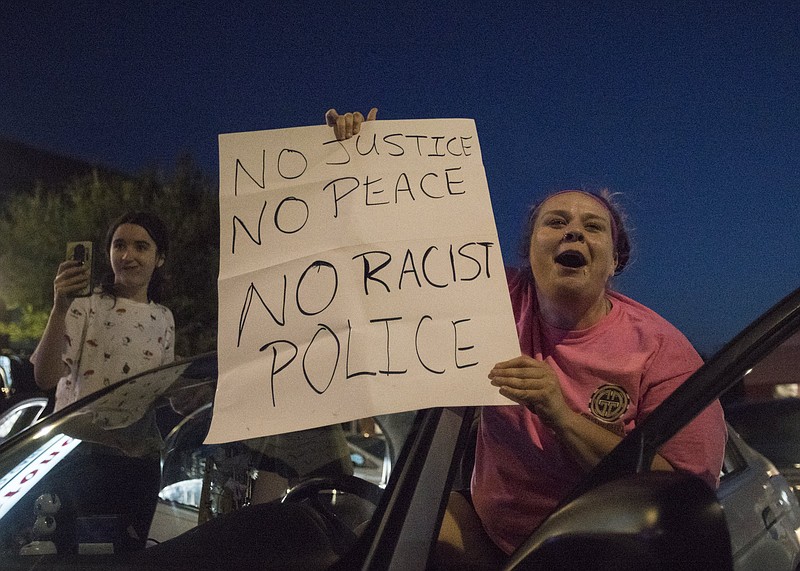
<point>760,508</point>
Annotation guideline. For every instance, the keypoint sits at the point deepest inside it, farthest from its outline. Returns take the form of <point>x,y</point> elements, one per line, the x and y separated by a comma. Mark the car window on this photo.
<point>764,408</point>
<point>211,480</point>
<point>734,461</point>
<point>129,469</point>
<point>777,375</point>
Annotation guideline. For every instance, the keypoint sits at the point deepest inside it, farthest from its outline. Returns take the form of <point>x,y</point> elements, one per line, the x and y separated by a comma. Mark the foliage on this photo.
<point>35,227</point>
<point>22,329</point>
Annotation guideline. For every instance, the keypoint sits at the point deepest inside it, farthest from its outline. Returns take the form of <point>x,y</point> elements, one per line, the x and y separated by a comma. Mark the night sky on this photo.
<point>691,110</point>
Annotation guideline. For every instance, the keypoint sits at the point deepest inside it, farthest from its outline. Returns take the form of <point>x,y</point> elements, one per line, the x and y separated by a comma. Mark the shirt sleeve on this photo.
<point>699,447</point>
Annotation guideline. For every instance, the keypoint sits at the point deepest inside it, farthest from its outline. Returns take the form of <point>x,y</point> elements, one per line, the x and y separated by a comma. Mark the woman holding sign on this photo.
<point>595,363</point>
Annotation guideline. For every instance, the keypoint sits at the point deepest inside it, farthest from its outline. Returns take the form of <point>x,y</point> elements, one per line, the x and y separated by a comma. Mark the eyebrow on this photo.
<point>137,242</point>
<point>567,213</point>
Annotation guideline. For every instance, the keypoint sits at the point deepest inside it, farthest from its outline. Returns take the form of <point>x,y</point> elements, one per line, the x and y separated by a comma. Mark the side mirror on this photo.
<point>652,521</point>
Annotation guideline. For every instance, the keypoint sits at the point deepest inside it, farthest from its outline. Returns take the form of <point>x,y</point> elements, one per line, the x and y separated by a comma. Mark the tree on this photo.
<point>35,227</point>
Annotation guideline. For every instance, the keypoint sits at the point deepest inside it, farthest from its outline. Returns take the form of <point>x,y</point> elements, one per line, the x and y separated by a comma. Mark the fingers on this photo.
<point>343,129</point>
<point>349,124</point>
<point>516,363</point>
<point>534,384</point>
<point>72,277</point>
<point>523,374</point>
<point>518,370</point>
<point>339,123</point>
<point>330,117</point>
<point>70,272</point>
<point>358,118</point>
<point>522,382</point>
<point>516,395</point>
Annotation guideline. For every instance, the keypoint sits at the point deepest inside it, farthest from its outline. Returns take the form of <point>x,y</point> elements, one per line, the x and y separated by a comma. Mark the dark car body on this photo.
<point>138,488</point>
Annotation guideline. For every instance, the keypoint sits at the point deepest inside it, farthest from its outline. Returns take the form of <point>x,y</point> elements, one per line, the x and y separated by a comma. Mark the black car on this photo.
<point>123,480</point>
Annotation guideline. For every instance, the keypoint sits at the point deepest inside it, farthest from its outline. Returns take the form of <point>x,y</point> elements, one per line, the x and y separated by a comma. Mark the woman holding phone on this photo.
<point>92,341</point>
<point>120,329</point>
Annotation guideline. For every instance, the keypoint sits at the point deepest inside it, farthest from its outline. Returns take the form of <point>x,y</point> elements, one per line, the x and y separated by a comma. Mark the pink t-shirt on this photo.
<point>615,373</point>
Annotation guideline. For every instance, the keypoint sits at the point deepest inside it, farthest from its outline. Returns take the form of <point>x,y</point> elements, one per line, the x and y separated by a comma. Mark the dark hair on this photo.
<point>622,244</point>
<point>157,230</point>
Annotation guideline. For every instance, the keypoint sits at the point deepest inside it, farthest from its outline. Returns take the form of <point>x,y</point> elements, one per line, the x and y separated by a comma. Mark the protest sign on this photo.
<point>357,277</point>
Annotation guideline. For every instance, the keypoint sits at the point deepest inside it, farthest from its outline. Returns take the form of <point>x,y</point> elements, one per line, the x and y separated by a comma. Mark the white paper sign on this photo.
<point>357,278</point>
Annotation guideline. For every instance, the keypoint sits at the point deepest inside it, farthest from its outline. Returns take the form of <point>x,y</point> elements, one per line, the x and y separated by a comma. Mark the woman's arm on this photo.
<point>590,443</point>
<point>535,385</point>
<point>48,366</point>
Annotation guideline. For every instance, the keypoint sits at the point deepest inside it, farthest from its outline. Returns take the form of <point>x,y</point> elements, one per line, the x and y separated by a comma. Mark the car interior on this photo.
<point>303,498</point>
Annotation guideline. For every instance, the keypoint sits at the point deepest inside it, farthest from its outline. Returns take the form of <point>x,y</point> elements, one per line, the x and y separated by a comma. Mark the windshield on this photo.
<point>128,469</point>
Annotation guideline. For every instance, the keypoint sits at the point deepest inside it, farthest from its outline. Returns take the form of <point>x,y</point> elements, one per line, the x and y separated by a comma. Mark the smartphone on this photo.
<point>82,252</point>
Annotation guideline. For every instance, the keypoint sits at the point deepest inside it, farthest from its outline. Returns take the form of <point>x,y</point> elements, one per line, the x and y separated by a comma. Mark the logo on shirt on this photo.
<point>609,402</point>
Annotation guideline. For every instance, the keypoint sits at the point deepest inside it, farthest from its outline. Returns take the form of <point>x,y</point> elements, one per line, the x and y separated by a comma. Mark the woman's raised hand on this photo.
<point>348,124</point>
<point>72,277</point>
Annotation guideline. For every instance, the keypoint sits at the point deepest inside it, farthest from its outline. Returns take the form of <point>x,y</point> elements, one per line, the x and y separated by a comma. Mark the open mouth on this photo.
<point>571,259</point>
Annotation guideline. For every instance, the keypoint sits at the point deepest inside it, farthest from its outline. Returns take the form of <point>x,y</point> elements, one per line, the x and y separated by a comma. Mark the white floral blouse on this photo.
<point>111,339</point>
